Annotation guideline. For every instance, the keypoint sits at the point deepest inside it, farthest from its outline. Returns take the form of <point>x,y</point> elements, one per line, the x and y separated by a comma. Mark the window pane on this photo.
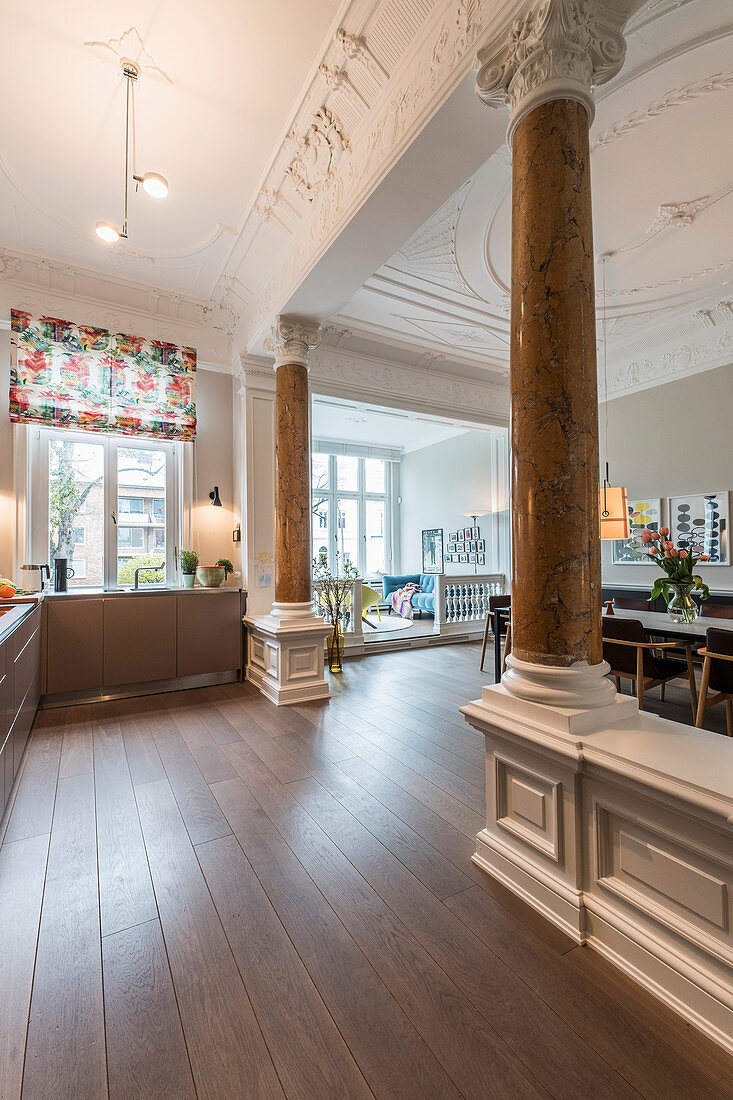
<point>375,543</point>
<point>320,528</point>
<point>319,471</point>
<point>374,475</point>
<point>140,514</point>
<point>347,533</point>
<point>347,473</point>
<point>76,486</point>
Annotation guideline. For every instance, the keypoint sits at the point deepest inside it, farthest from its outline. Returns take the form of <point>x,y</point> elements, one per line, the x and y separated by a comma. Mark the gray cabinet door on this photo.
<point>209,632</point>
<point>74,645</point>
<point>139,639</point>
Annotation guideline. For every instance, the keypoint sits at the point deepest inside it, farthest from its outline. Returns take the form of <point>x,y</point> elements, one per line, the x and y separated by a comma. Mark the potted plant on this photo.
<point>333,596</point>
<point>678,563</point>
<point>226,565</point>
<point>189,561</point>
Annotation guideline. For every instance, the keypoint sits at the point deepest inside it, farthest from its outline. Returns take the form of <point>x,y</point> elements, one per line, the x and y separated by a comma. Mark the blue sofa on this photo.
<point>421,601</point>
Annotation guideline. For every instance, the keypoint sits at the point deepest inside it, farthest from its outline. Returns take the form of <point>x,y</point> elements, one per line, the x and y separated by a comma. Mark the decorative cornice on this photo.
<point>718,82</point>
<point>290,340</point>
<point>558,49</point>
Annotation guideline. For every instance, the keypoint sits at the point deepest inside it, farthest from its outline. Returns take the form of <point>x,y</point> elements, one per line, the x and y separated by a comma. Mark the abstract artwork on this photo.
<point>642,514</point>
<point>702,521</point>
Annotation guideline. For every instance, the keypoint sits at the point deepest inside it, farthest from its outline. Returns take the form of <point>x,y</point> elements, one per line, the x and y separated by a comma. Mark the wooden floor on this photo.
<point>204,895</point>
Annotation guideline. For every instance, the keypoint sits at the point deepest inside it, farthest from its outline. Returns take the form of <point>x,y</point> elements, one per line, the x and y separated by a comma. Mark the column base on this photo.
<point>285,654</point>
<point>574,686</point>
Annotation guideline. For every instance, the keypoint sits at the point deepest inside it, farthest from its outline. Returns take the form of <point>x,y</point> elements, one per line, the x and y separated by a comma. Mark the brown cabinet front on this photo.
<point>139,639</point>
<point>209,632</point>
<point>74,661</point>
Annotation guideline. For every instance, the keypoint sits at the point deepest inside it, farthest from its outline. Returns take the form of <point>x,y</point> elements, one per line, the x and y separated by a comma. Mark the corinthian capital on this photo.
<point>557,49</point>
<point>291,339</point>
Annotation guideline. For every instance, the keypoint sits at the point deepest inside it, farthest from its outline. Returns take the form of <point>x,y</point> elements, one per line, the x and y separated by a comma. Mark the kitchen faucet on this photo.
<point>147,569</point>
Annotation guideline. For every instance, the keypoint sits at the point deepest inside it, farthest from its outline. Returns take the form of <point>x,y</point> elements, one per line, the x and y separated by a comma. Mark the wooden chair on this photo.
<point>494,602</point>
<point>711,610</point>
<point>717,674</point>
<point>630,655</point>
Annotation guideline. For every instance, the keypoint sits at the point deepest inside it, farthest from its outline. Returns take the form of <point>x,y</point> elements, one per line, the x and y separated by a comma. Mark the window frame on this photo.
<point>333,494</point>
<point>38,502</point>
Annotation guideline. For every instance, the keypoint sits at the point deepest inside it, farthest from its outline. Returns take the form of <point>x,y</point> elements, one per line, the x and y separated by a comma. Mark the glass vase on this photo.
<point>681,607</point>
<point>335,646</point>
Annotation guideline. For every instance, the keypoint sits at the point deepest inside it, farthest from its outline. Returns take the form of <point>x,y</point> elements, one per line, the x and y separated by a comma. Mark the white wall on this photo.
<point>440,483</point>
<point>213,464</point>
<point>672,439</point>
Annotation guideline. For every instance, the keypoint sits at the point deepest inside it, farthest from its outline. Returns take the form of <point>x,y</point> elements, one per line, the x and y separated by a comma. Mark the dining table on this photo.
<point>656,624</point>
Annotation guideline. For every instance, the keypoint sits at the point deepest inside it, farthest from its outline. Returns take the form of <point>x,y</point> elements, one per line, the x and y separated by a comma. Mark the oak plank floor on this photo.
<point>203,895</point>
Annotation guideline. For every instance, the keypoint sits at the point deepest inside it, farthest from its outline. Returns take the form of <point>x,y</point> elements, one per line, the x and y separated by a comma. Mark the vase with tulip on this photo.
<point>680,579</point>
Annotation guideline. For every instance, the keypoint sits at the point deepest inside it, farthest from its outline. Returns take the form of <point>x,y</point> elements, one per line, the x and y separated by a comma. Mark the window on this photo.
<point>351,512</point>
<point>126,491</point>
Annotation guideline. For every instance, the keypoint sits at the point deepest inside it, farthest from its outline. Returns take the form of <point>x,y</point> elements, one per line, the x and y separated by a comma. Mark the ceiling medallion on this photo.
<point>153,183</point>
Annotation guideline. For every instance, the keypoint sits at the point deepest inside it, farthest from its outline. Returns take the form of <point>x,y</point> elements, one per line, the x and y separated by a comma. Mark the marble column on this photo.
<point>285,648</point>
<point>292,486</point>
<point>556,597</point>
<point>544,69</point>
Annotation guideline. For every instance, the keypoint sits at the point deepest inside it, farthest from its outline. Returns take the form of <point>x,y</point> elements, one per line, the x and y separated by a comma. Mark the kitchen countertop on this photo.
<point>11,616</point>
<point>116,593</point>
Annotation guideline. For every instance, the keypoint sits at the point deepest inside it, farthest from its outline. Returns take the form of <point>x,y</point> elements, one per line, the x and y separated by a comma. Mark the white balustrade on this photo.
<point>462,601</point>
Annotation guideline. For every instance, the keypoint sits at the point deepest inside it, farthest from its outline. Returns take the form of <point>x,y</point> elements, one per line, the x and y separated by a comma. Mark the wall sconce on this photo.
<point>214,497</point>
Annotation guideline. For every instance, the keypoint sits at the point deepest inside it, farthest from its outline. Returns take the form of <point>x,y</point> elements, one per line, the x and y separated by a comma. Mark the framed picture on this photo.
<point>646,513</point>
<point>481,559</point>
<point>460,547</point>
<point>432,550</point>
<point>451,548</point>
<point>702,520</point>
<point>472,558</point>
<point>453,536</point>
<point>481,545</point>
<point>466,533</point>
<point>475,532</point>
<point>463,557</point>
<point>472,545</point>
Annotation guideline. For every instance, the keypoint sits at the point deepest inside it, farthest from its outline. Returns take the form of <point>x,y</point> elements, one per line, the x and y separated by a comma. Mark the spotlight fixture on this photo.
<point>153,183</point>
<point>214,497</point>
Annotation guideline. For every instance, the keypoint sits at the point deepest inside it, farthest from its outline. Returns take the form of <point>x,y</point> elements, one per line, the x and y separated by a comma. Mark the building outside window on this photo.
<point>127,493</point>
<point>351,505</point>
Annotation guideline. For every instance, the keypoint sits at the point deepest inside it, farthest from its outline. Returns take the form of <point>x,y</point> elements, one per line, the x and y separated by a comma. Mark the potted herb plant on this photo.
<point>227,566</point>
<point>189,561</point>
<point>680,580</point>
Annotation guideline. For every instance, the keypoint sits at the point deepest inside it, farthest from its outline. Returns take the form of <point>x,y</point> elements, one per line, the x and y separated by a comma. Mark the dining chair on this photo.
<point>717,675</point>
<point>494,602</point>
<point>630,655</point>
<point>710,610</point>
<point>624,603</point>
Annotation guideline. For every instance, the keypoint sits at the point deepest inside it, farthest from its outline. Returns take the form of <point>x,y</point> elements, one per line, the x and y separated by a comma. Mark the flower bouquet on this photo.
<point>678,563</point>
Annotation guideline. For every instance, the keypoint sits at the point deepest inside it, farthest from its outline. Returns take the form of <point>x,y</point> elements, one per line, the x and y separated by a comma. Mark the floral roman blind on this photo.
<point>65,375</point>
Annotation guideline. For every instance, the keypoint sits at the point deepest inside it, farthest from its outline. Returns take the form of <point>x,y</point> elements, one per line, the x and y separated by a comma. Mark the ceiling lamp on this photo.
<point>155,184</point>
<point>614,500</point>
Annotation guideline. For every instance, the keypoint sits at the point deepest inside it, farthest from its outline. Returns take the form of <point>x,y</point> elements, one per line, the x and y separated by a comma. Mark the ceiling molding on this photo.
<point>343,373</point>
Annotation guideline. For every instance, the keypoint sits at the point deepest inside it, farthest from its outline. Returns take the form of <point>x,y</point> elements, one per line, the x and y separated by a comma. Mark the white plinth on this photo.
<point>617,826</point>
<point>285,654</point>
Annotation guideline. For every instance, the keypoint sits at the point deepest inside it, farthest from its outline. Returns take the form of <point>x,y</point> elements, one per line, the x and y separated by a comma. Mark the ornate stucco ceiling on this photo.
<point>662,175</point>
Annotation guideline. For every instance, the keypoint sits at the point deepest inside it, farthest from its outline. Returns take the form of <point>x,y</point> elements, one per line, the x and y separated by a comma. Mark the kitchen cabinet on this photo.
<point>209,633</point>
<point>20,662</point>
<point>139,639</point>
<point>74,644</point>
<point>100,645</point>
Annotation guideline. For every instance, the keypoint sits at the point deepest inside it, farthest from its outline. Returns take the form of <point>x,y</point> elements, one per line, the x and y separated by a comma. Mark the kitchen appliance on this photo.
<point>31,577</point>
<point>61,573</point>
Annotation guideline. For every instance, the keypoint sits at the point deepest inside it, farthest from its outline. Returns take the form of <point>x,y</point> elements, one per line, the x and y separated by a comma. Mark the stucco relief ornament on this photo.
<point>559,49</point>
<point>291,339</point>
<point>318,154</point>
